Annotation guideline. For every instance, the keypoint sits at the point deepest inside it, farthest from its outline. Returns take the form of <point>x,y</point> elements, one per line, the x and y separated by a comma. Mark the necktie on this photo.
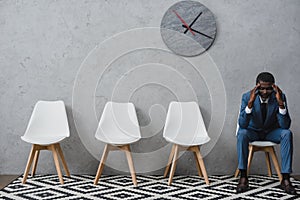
<point>263,107</point>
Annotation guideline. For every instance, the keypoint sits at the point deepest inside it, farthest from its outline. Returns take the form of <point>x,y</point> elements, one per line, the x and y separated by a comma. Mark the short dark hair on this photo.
<point>265,77</point>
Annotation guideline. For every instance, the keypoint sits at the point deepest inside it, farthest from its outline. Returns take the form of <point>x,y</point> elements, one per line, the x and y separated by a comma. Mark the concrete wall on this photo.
<point>44,43</point>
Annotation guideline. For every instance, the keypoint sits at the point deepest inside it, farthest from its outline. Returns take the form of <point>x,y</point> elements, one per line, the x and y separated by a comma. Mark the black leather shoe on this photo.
<point>243,185</point>
<point>287,186</point>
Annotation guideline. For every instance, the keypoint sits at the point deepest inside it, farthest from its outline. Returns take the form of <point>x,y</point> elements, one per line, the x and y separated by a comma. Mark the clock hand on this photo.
<point>198,32</point>
<point>193,22</point>
<point>187,26</point>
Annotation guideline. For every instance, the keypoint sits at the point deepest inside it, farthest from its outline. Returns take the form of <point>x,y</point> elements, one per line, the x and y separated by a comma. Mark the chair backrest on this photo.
<point>49,118</point>
<point>184,119</point>
<point>118,119</point>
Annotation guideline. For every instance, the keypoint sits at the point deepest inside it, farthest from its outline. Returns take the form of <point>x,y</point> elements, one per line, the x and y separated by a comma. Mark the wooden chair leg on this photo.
<point>275,161</point>
<point>35,161</point>
<point>60,153</point>
<point>176,152</point>
<point>202,166</point>
<point>169,161</point>
<point>130,163</point>
<point>268,164</point>
<point>29,162</point>
<point>237,171</point>
<point>198,165</point>
<point>101,164</point>
<point>250,157</point>
<point>56,161</point>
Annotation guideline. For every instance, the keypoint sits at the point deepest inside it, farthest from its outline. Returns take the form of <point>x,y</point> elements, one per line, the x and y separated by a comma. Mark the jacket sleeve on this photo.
<point>284,121</point>
<point>244,118</point>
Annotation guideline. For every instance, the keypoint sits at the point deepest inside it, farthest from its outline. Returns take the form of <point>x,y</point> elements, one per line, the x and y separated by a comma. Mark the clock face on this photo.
<point>188,28</point>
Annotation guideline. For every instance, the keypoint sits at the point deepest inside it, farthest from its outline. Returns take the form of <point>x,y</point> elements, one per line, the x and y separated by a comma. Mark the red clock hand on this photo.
<point>186,25</point>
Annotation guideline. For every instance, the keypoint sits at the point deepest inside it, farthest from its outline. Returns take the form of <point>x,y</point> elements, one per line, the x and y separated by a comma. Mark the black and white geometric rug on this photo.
<point>149,187</point>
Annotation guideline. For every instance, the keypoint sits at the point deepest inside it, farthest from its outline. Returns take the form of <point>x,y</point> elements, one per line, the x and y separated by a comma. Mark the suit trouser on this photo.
<point>282,136</point>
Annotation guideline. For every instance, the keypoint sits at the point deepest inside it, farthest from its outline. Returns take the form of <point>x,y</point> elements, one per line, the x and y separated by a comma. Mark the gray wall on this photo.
<point>44,43</point>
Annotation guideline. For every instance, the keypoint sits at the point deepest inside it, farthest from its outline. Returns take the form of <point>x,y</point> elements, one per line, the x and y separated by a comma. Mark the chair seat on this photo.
<point>185,141</point>
<point>43,140</point>
<point>263,143</point>
<point>121,139</point>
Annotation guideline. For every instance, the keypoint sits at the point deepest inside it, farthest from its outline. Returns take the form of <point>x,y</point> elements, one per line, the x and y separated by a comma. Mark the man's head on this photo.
<point>266,81</point>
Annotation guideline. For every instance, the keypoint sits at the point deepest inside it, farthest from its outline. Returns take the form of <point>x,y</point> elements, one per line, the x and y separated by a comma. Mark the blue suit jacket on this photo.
<point>254,120</point>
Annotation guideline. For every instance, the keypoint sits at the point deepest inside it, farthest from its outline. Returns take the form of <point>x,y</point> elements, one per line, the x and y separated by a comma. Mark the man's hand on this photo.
<point>253,94</point>
<point>278,96</point>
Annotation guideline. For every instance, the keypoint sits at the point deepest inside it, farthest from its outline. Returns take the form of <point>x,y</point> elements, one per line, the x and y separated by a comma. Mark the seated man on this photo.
<point>264,116</point>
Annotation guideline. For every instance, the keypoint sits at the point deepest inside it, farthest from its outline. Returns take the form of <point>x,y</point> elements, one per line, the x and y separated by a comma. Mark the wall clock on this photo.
<point>188,28</point>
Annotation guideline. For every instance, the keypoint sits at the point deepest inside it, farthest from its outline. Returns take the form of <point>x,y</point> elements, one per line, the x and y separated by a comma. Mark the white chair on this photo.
<point>47,126</point>
<point>118,128</point>
<point>185,128</point>
<point>268,148</point>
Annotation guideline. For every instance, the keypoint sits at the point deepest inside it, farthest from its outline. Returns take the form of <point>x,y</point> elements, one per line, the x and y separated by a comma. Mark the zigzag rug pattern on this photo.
<point>81,187</point>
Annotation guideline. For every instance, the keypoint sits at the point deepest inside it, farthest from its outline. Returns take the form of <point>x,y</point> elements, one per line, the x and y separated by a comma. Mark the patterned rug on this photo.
<point>149,187</point>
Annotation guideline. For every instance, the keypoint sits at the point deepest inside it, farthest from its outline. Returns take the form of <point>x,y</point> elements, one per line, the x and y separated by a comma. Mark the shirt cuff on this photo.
<point>248,110</point>
<point>282,111</point>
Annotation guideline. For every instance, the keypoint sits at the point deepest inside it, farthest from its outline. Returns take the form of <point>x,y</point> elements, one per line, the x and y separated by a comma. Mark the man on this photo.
<point>264,116</point>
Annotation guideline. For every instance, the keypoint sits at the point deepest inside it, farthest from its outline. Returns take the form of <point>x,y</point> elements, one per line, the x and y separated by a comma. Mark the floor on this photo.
<point>120,187</point>
<point>6,179</point>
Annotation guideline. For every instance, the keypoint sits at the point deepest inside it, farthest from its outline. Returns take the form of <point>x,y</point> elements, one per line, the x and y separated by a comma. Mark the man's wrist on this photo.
<point>281,104</point>
<point>250,104</point>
